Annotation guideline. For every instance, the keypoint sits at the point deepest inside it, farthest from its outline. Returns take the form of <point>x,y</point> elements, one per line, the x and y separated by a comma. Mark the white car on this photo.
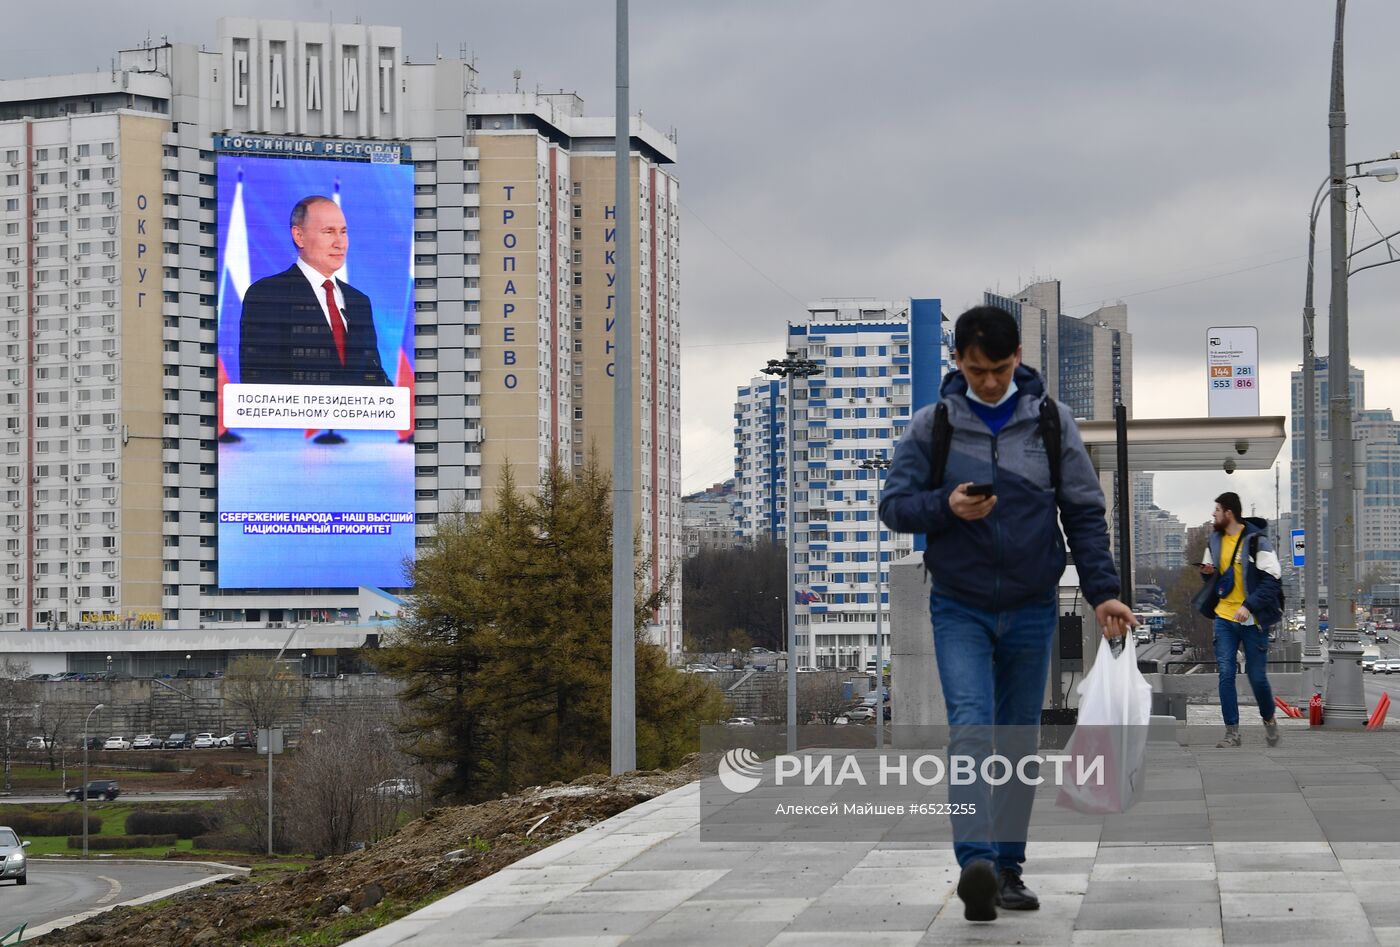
<point>145,741</point>
<point>740,722</point>
<point>1385,667</point>
<point>861,713</point>
<point>205,741</point>
<point>37,743</point>
<point>401,788</point>
<point>117,743</point>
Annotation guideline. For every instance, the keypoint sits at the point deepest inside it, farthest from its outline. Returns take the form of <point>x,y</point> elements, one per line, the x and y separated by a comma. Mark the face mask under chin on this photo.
<point>1010,390</point>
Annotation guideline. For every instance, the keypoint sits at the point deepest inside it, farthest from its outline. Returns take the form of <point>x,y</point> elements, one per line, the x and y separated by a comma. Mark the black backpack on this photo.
<point>942,439</point>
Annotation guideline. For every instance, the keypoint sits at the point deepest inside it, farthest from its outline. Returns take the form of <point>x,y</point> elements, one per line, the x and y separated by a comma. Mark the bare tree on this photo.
<point>17,710</point>
<point>820,696</point>
<point>333,796</point>
<point>262,690</point>
<point>55,724</point>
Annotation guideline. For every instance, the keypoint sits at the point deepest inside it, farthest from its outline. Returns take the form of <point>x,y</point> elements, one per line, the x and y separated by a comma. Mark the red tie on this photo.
<point>337,324</point>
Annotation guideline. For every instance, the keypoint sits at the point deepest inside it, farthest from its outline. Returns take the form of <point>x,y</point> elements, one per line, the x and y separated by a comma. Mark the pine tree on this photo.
<point>505,651</point>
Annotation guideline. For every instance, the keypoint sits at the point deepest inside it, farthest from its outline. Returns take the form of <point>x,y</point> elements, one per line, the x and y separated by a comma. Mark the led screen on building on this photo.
<point>315,475</point>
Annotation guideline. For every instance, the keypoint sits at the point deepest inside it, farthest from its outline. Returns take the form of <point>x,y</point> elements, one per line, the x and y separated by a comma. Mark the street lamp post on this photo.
<point>1346,700</point>
<point>879,465</point>
<point>624,595</point>
<point>1312,529</point>
<point>788,369</point>
<point>83,788</point>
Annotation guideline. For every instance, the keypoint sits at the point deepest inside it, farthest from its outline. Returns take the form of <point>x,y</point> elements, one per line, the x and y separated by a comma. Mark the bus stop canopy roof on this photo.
<point>1162,444</point>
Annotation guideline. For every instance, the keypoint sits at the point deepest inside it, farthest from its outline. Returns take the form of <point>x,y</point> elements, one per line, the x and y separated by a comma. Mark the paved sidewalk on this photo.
<point>1296,844</point>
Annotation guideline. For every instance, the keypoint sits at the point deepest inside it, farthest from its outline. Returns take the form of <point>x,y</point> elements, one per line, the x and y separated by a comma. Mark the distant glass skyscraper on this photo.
<point>1086,361</point>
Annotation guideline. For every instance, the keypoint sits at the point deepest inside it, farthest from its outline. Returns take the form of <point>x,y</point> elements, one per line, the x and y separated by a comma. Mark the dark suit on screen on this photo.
<point>284,338</point>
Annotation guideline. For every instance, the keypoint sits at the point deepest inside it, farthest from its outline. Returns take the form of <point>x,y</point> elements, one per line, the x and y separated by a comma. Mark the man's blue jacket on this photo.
<point>1016,554</point>
<point>1263,591</point>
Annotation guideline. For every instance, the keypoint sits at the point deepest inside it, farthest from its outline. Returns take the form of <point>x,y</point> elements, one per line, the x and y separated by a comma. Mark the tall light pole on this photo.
<point>1312,529</point>
<point>791,368</point>
<point>1346,699</point>
<point>879,465</point>
<point>84,788</point>
<point>624,595</point>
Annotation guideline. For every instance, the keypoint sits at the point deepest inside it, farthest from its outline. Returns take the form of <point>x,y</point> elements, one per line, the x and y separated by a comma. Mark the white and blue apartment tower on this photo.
<point>881,360</point>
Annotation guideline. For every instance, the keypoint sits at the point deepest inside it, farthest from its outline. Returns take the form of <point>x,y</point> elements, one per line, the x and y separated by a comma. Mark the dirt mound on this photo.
<point>446,849</point>
<point>206,776</point>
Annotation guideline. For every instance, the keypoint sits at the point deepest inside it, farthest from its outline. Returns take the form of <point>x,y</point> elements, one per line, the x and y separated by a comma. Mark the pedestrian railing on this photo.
<point>1168,665</point>
<point>14,936</point>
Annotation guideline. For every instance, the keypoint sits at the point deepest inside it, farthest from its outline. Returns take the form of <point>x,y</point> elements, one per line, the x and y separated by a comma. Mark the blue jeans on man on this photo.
<point>1229,636</point>
<point>993,665</point>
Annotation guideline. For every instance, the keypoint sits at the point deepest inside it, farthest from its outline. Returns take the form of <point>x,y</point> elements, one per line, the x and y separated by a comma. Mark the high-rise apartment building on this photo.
<point>1159,538</point>
<point>1360,431</point>
<point>880,361</point>
<point>111,276</point>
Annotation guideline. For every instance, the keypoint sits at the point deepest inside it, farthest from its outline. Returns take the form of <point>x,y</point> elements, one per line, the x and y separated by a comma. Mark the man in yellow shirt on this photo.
<point>1248,604</point>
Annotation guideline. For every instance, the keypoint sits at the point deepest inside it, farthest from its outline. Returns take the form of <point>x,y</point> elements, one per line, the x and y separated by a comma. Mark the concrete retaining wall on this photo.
<point>141,706</point>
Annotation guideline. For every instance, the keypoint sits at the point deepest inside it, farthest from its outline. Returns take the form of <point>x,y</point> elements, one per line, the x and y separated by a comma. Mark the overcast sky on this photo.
<point>1159,154</point>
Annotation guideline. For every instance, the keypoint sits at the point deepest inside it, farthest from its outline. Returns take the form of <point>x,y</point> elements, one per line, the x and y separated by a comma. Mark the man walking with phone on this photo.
<point>989,474</point>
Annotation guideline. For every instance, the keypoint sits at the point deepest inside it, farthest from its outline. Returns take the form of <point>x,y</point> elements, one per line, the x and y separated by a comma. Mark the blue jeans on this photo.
<point>993,665</point>
<point>1228,638</point>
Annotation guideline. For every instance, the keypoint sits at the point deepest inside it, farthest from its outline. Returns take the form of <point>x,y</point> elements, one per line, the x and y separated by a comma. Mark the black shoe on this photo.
<point>977,887</point>
<point>1015,896</point>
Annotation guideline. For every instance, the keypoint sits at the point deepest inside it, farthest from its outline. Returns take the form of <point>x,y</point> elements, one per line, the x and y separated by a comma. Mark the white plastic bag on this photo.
<point>1108,749</point>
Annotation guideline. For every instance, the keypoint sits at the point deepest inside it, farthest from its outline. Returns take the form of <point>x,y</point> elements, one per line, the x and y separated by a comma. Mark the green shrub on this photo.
<point>165,764</point>
<point>110,842</point>
<point>186,823</point>
<point>51,823</point>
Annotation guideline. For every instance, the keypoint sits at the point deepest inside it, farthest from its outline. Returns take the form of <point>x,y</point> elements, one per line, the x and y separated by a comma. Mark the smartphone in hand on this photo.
<point>979,490</point>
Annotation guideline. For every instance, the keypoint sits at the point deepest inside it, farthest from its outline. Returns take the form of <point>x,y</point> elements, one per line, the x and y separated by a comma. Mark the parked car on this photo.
<point>740,722</point>
<point>37,743</point>
<point>178,741</point>
<point>205,741</point>
<point>97,789</point>
<point>860,714</point>
<point>401,788</point>
<point>40,677</point>
<point>239,740</point>
<point>117,743</point>
<point>13,863</point>
<point>145,741</point>
<point>93,743</point>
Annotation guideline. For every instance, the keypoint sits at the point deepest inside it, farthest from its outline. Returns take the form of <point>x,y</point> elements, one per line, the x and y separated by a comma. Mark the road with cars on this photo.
<point>184,795</point>
<point>61,888</point>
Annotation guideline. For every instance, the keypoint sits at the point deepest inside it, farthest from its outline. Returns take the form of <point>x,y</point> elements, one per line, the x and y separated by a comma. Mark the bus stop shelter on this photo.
<point>1174,445</point>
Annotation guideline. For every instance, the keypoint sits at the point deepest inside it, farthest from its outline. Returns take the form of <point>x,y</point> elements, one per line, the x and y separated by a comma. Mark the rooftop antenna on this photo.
<point>516,75</point>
